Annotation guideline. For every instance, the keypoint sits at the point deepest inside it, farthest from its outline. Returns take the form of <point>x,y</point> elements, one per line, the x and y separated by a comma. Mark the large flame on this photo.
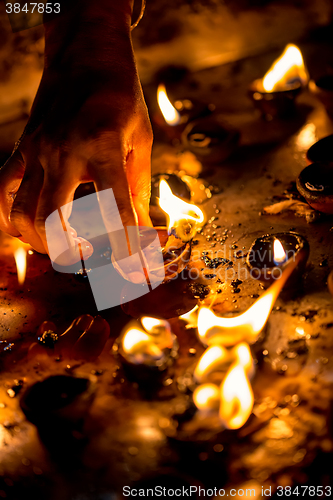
<point>20,256</point>
<point>182,217</point>
<point>287,69</point>
<point>236,397</point>
<point>279,254</point>
<point>171,115</point>
<point>247,326</point>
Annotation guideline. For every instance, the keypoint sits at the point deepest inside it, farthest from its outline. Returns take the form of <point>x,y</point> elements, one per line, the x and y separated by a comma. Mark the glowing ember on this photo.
<point>213,329</point>
<point>279,254</point>
<point>147,345</point>
<point>236,397</point>
<point>183,217</point>
<point>286,70</point>
<point>171,115</point>
<point>20,256</point>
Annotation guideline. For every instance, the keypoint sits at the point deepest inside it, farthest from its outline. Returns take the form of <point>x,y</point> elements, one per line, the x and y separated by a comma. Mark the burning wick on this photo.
<point>279,254</point>
<point>150,343</point>
<point>229,391</point>
<point>286,71</point>
<point>170,114</point>
<point>20,256</point>
<point>183,218</point>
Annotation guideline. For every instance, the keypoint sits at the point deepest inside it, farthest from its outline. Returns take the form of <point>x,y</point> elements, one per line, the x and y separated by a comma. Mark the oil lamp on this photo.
<point>274,94</point>
<point>174,117</point>
<point>228,331</point>
<point>315,184</point>
<point>271,254</point>
<point>321,151</point>
<point>146,345</point>
<point>211,141</point>
<point>323,90</point>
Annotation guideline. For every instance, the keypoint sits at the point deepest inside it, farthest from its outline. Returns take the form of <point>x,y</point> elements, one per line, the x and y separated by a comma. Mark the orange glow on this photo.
<point>171,115</point>
<point>213,329</point>
<point>206,397</point>
<point>191,317</point>
<point>139,345</point>
<point>236,398</point>
<point>183,217</point>
<point>279,252</point>
<point>215,358</point>
<point>287,69</point>
<point>20,256</point>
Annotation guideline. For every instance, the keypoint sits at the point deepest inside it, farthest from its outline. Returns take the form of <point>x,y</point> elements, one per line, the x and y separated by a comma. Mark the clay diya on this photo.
<point>323,90</point>
<point>274,94</point>
<point>210,141</point>
<point>271,254</point>
<point>315,184</point>
<point>321,151</point>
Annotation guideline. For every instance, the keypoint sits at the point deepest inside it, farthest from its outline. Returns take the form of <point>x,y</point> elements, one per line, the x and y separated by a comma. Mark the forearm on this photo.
<point>87,30</point>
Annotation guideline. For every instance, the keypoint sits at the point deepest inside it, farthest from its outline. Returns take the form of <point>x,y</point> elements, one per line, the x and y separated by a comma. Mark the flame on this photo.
<point>20,256</point>
<point>140,345</point>
<point>236,397</point>
<point>279,254</point>
<point>215,358</point>
<point>171,115</point>
<point>190,317</point>
<point>287,69</point>
<point>183,217</point>
<point>207,397</point>
<point>247,326</point>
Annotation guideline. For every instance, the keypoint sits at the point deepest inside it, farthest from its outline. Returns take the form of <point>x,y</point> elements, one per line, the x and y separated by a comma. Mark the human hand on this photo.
<point>89,122</point>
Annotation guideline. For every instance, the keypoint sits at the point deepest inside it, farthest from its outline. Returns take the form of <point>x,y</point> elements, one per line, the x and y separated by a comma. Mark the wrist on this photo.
<point>86,30</point>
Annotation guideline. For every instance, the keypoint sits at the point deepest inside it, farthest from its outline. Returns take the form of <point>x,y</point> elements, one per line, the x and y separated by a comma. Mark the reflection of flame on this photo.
<point>236,397</point>
<point>279,254</point>
<point>136,341</point>
<point>246,327</point>
<point>182,216</point>
<point>21,264</point>
<point>171,115</point>
<point>287,69</point>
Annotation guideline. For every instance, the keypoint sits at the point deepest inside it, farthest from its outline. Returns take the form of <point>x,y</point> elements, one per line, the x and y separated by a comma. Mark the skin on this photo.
<point>89,122</point>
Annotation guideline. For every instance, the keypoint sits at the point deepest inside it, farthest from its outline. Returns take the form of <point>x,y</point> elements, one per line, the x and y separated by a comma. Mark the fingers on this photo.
<point>23,211</point>
<point>11,175</point>
<point>91,343</point>
<point>51,221</point>
<point>138,170</point>
<point>72,334</point>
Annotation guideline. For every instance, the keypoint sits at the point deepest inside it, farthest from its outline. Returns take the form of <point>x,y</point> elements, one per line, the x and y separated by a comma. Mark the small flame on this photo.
<point>141,345</point>
<point>20,256</point>
<point>207,397</point>
<point>183,217</point>
<point>215,358</point>
<point>247,326</point>
<point>236,397</point>
<point>287,69</point>
<point>190,317</point>
<point>279,254</point>
<point>171,115</point>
